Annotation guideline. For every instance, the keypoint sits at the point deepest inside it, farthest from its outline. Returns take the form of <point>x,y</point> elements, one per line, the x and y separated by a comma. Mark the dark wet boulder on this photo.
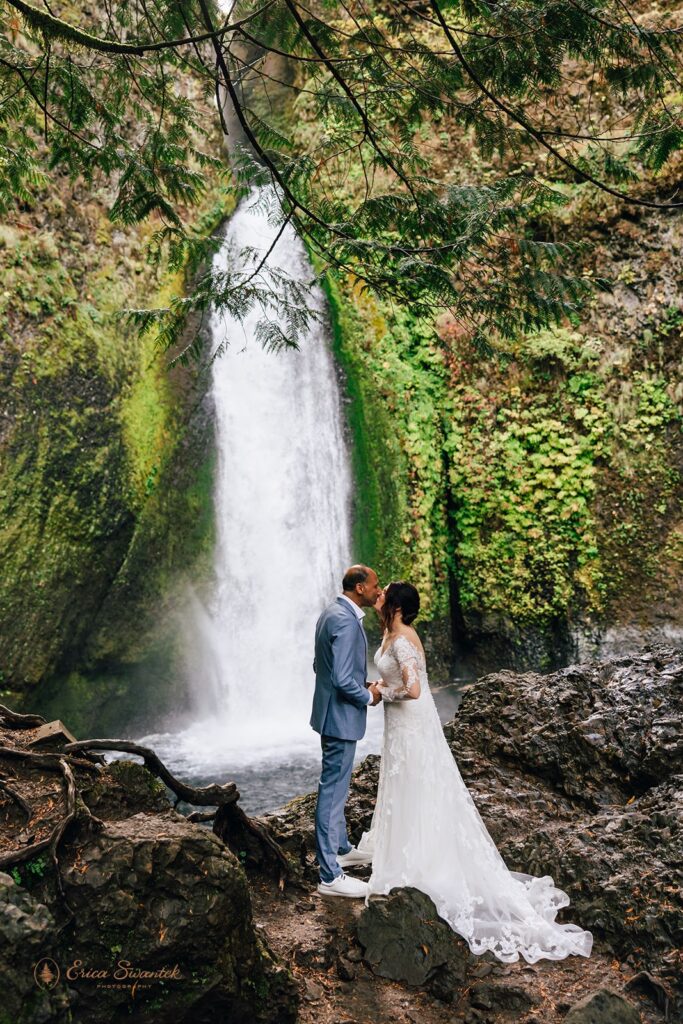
<point>598,732</point>
<point>578,774</point>
<point>149,917</point>
<point>28,944</point>
<point>603,1007</point>
<point>405,939</point>
<point>162,893</point>
<point>501,997</point>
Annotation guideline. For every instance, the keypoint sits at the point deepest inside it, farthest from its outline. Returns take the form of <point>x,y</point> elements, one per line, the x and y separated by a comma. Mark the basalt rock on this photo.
<point>405,940</point>
<point>598,733</point>
<point>161,893</point>
<point>153,920</point>
<point>603,1007</point>
<point>28,943</point>
<point>578,775</point>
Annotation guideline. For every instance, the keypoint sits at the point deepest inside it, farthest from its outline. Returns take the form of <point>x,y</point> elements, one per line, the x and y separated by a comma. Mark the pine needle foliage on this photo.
<point>103,99</point>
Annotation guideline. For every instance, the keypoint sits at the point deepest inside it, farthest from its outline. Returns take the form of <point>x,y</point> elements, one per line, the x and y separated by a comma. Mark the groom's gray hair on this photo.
<point>355,575</point>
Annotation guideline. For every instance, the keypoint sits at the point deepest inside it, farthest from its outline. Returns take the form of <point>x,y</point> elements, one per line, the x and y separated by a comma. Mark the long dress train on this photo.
<point>427,833</point>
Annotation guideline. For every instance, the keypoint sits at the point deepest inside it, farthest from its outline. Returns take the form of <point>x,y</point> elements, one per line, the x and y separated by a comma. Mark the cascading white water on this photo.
<point>282,508</point>
<point>283,541</point>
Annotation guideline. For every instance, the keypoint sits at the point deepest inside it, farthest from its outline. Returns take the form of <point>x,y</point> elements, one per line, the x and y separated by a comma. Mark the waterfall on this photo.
<point>282,506</point>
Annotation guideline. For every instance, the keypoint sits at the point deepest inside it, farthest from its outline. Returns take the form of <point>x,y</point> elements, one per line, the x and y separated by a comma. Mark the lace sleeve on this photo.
<point>408,686</point>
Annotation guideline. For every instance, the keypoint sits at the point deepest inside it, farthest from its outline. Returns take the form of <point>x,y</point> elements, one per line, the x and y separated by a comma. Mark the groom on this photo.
<point>341,697</point>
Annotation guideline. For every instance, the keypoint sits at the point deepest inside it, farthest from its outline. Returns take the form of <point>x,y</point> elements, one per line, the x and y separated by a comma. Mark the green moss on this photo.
<point>529,476</point>
<point>535,447</point>
<point>146,416</point>
<point>106,476</point>
<point>379,467</point>
<point>395,381</point>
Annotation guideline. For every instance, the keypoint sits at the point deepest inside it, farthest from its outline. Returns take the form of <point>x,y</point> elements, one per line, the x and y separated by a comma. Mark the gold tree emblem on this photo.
<point>46,973</point>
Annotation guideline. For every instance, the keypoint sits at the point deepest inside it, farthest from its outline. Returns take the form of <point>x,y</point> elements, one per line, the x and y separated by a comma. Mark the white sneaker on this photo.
<point>354,856</point>
<point>343,885</point>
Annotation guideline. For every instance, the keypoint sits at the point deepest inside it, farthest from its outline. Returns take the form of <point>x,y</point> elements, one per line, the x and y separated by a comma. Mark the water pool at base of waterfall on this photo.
<point>267,775</point>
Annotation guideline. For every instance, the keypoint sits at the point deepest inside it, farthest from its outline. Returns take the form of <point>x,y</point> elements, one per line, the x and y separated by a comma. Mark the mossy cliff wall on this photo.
<point>396,386</point>
<point>105,472</point>
<point>532,495</point>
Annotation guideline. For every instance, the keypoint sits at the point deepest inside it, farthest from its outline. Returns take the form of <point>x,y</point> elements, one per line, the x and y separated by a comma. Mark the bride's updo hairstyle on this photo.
<point>399,596</point>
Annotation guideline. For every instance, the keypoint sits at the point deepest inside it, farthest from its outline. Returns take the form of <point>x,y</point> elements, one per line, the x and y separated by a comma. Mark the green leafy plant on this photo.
<point>371,81</point>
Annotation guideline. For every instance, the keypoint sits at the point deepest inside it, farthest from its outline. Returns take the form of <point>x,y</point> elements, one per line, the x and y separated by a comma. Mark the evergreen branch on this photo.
<point>54,26</point>
<point>535,133</point>
<point>48,114</point>
<point>350,94</point>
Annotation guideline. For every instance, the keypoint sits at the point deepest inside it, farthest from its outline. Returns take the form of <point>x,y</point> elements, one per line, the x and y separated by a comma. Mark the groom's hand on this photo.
<point>376,695</point>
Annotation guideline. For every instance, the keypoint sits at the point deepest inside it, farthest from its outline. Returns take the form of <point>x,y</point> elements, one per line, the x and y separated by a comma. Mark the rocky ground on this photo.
<point>576,774</point>
<point>317,938</point>
<point>114,907</point>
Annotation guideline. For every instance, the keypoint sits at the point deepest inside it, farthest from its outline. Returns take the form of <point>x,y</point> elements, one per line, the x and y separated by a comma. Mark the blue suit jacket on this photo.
<point>341,696</point>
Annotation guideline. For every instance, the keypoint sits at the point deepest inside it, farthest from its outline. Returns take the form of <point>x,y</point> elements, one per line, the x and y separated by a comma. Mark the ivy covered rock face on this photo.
<point>534,490</point>
<point>531,487</point>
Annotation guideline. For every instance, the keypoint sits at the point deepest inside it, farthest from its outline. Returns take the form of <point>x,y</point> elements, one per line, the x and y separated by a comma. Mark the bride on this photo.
<point>426,831</point>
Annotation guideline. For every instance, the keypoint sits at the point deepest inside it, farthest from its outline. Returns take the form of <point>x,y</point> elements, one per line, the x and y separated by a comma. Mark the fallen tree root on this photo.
<point>59,831</point>
<point>9,860</point>
<point>14,720</point>
<point>62,764</point>
<point>17,798</point>
<point>231,824</point>
<point>48,759</point>
<point>235,827</point>
<point>207,795</point>
<point>198,816</point>
<point>251,839</point>
<point>16,857</point>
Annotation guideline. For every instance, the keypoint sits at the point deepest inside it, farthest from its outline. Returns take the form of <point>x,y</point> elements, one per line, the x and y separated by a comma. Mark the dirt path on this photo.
<point>315,937</point>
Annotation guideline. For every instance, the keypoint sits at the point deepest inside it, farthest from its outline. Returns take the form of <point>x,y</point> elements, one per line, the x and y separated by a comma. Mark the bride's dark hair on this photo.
<point>403,596</point>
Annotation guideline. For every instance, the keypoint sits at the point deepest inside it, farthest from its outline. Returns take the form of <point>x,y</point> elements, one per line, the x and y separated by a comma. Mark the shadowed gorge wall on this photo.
<point>106,463</point>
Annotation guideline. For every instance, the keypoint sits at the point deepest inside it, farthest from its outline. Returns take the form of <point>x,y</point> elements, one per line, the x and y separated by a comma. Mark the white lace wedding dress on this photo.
<point>427,833</point>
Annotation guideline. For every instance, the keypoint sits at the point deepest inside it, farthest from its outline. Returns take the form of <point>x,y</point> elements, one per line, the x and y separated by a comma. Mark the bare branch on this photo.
<point>209,795</point>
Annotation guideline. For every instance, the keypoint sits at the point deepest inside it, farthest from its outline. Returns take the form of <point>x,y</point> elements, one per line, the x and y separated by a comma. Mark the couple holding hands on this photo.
<point>426,831</point>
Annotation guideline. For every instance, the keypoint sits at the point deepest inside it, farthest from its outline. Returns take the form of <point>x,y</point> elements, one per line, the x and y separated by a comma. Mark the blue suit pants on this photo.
<point>333,789</point>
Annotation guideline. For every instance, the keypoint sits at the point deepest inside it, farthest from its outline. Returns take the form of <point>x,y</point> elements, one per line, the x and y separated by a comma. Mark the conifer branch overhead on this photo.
<point>375,82</point>
<point>56,27</point>
<point>536,133</point>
